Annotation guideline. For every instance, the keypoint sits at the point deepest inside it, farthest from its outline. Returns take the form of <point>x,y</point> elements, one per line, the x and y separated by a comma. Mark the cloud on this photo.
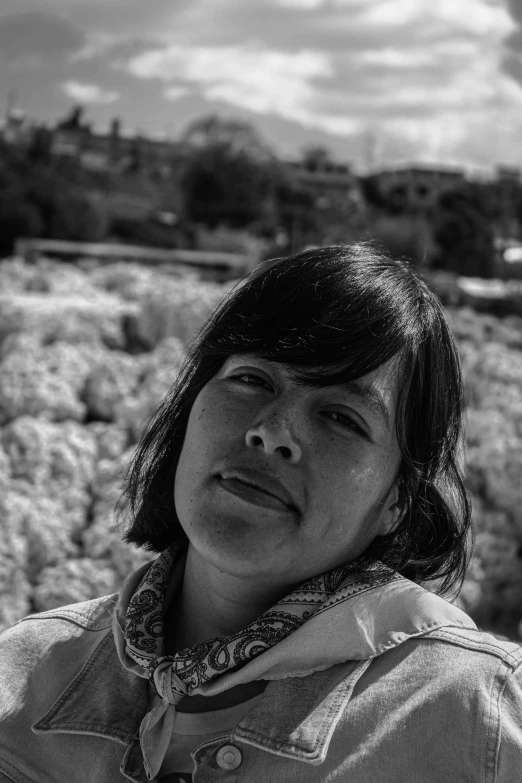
<point>176,92</point>
<point>40,35</point>
<point>97,45</point>
<point>515,8</point>
<point>430,79</point>
<point>415,70</point>
<point>301,5</point>
<point>88,93</point>
<point>261,81</point>
<point>471,17</point>
<point>512,62</point>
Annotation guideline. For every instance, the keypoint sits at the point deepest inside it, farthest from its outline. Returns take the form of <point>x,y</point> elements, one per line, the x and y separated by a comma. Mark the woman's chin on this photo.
<point>240,548</point>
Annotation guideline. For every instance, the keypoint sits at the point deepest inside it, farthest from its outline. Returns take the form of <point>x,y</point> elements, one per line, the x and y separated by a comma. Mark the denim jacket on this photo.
<point>444,705</point>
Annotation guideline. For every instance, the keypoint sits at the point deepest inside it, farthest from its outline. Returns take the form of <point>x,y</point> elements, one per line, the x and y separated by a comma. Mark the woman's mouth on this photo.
<point>254,495</point>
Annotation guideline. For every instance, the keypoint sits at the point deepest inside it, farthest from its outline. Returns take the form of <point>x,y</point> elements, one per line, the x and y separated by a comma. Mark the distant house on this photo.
<point>416,188</point>
<point>334,184</point>
<point>113,151</point>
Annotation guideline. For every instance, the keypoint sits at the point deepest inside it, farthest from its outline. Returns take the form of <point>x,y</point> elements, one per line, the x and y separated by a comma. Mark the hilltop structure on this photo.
<point>416,188</point>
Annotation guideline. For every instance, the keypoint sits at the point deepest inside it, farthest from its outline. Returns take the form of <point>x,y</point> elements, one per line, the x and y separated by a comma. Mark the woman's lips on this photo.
<point>253,495</point>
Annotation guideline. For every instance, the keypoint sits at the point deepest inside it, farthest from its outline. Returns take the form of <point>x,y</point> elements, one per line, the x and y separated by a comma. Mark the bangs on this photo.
<point>332,330</point>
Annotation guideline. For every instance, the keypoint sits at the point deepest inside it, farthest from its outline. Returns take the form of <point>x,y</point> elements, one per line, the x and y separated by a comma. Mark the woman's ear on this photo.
<point>392,513</point>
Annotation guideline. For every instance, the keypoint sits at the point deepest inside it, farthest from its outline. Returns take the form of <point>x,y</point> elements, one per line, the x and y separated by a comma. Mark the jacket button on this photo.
<point>229,757</point>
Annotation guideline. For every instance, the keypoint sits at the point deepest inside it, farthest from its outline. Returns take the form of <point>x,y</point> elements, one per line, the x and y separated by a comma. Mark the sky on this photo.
<point>378,82</point>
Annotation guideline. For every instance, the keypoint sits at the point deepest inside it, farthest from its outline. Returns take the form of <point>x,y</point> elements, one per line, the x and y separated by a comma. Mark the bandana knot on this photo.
<point>166,682</point>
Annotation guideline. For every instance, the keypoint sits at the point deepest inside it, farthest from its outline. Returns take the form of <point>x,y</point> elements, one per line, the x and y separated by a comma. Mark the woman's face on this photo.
<point>280,482</point>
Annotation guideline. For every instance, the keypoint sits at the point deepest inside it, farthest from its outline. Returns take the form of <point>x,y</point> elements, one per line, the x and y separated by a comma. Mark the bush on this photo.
<point>36,201</point>
<point>464,233</point>
<point>18,218</point>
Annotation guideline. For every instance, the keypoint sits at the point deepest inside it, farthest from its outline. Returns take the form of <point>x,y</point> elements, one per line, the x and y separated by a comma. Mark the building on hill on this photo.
<point>334,184</point>
<point>113,151</point>
<point>416,188</point>
<point>130,177</point>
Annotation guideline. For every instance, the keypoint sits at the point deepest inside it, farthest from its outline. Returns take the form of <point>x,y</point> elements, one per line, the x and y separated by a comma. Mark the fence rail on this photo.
<point>31,249</point>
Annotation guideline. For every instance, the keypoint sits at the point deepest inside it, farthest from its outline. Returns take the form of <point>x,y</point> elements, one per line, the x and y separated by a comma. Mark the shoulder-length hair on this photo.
<point>336,314</point>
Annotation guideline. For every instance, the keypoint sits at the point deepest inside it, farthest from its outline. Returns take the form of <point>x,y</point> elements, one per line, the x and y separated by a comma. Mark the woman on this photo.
<point>301,488</point>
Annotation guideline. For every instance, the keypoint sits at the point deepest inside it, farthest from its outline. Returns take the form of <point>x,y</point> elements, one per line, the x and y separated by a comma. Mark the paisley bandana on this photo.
<point>358,618</point>
<point>192,667</point>
<point>182,674</point>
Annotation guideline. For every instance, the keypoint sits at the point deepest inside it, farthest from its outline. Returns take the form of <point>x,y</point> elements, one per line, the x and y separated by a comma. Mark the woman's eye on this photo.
<point>248,379</point>
<point>346,421</point>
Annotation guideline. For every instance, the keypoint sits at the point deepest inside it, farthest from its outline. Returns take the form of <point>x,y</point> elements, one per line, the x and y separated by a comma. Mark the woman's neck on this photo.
<point>213,604</point>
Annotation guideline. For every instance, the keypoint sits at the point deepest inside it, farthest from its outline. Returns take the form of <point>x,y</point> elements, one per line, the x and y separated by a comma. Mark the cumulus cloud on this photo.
<point>428,78</point>
<point>97,44</point>
<point>422,76</point>
<point>89,93</point>
<point>42,35</point>
<point>513,56</point>
<point>515,8</point>
<point>262,81</point>
<point>176,92</point>
<point>299,5</point>
<point>471,17</point>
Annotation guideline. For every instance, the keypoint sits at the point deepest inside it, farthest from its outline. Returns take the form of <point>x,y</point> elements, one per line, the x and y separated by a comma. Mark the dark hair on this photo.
<point>336,314</point>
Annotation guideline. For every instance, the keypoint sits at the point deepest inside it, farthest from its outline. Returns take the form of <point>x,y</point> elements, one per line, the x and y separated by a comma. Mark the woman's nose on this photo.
<point>274,436</point>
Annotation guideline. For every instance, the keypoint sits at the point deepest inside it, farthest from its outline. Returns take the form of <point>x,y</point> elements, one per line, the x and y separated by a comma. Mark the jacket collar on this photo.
<point>295,718</point>
<point>103,699</point>
<point>298,720</point>
<point>297,715</point>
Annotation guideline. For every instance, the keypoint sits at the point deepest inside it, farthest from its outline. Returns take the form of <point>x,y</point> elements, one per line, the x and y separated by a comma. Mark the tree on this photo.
<point>406,237</point>
<point>230,176</point>
<point>18,218</point>
<point>372,194</point>
<point>74,119</point>
<point>316,157</point>
<point>39,150</point>
<point>463,231</point>
<point>223,186</point>
<point>238,136</point>
<point>298,215</point>
<point>35,200</point>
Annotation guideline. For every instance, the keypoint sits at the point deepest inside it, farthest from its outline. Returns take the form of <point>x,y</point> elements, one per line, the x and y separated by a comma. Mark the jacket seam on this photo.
<point>81,617</point>
<point>214,742</point>
<point>81,622</point>
<point>10,770</point>
<point>285,752</point>
<point>89,729</point>
<point>511,658</point>
<point>493,739</point>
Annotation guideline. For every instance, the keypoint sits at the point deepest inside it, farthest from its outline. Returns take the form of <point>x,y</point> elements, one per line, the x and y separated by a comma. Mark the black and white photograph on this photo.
<point>261,391</point>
